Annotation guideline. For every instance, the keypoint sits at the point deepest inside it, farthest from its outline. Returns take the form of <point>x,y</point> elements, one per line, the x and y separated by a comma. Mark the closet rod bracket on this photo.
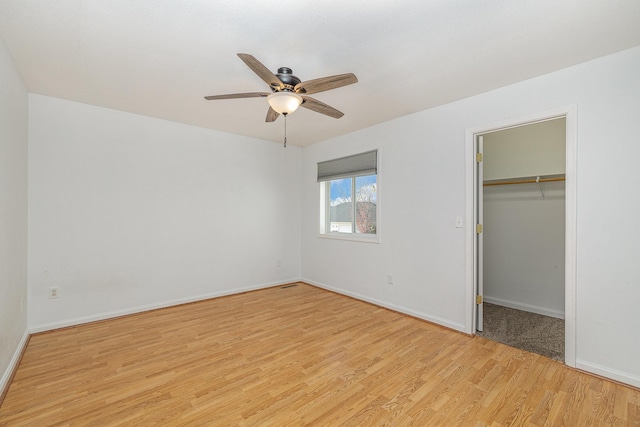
<point>540,186</point>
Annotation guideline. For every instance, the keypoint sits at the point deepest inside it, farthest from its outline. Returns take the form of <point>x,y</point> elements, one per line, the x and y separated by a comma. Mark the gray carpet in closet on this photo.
<point>524,330</point>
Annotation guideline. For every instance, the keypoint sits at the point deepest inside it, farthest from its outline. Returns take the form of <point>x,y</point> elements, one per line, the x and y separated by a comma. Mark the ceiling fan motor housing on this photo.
<point>285,75</point>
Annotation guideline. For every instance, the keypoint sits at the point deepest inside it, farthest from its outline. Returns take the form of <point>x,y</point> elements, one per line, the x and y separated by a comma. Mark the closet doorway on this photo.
<point>523,235</point>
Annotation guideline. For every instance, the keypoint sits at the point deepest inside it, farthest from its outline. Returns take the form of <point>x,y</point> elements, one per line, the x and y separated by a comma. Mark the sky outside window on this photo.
<point>341,188</point>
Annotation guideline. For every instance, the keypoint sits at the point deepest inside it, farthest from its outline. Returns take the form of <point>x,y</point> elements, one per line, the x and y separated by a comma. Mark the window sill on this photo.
<point>350,237</point>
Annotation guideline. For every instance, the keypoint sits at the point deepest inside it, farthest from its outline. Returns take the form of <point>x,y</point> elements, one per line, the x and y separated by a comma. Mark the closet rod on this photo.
<point>523,181</point>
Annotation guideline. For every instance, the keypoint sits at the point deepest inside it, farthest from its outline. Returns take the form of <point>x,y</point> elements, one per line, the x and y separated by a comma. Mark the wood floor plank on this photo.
<point>296,356</point>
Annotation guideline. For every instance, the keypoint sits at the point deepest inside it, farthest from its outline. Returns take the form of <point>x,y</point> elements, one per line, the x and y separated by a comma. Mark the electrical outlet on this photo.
<point>54,292</point>
<point>279,263</point>
<point>390,279</point>
<point>458,222</point>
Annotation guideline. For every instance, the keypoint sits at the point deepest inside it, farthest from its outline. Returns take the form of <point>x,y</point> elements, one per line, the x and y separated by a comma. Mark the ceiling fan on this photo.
<point>288,92</point>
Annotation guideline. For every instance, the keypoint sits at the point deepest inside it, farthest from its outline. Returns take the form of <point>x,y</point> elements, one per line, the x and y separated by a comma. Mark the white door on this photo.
<point>478,231</point>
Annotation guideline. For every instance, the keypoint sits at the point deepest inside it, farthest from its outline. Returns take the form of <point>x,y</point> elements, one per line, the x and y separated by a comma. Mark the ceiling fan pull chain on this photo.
<point>285,130</point>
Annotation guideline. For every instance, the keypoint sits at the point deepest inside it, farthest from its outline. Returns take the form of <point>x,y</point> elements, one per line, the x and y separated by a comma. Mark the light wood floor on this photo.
<point>297,356</point>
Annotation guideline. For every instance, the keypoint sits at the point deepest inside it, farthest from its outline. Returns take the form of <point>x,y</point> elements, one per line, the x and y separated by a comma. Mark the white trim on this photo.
<point>570,239</point>
<point>525,307</point>
<point>571,115</point>
<point>433,319</point>
<point>349,237</point>
<point>13,363</point>
<point>603,371</point>
<point>148,307</point>
<point>470,214</point>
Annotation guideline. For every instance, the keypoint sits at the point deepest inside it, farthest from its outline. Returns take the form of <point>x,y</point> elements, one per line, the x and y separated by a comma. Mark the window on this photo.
<point>349,197</point>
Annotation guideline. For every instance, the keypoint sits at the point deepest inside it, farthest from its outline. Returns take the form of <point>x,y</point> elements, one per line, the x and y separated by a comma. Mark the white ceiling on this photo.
<point>160,58</point>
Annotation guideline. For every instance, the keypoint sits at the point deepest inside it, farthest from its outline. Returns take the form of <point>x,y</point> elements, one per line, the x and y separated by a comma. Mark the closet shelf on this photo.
<point>524,180</point>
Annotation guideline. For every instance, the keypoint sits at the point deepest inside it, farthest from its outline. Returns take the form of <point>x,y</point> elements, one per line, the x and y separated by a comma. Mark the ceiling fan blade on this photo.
<point>272,115</point>
<point>320,107</point>
<point>326,83</point>
<point>237,95</point>
<point>262,71</point>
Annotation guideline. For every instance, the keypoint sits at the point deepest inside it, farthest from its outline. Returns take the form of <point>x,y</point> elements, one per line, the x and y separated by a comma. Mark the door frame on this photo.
<point>570,114</point>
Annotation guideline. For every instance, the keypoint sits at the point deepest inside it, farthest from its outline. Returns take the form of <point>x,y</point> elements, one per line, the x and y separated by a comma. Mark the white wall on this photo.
<point>128,212</point>
<point>422,189</point>
<point>523,236</point>
<point>532,150</point>
<point>13,215</point>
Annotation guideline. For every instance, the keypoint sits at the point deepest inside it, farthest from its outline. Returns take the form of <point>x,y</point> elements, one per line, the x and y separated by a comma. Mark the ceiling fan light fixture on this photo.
<point>284,102</point>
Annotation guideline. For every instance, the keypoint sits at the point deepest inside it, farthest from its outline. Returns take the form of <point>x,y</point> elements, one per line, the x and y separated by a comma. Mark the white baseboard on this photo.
<point>139,309</point>
<point>613,374</point>
<point>13,363</point>
<point>525,307</point>
<point>433,319</point>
